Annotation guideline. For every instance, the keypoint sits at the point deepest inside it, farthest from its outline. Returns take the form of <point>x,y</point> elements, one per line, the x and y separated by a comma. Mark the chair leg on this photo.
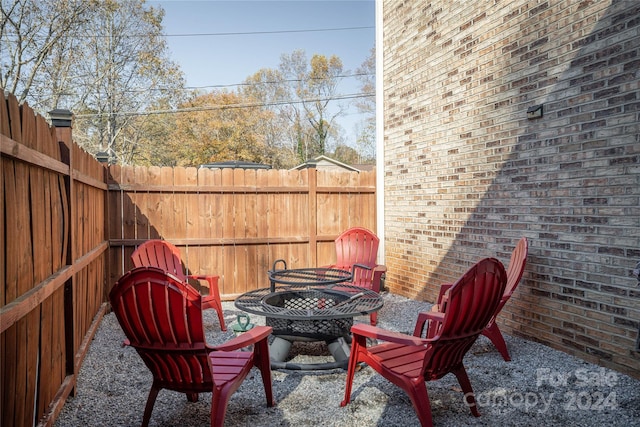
<point>263,363</point>
<point>465,384</point>
<point>373,318</point>
<point>420,400</point>
<point>151,400</point>
<point>221,318</point>
<point>357,342</point>
<point>210,301</point>
<point>219,400</point>
<point>493,333</point>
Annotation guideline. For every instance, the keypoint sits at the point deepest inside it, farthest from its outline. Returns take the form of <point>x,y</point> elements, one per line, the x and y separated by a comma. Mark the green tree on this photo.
<point>346,154</point>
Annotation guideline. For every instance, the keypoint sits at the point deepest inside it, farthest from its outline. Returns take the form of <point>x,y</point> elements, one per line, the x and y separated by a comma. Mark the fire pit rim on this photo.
<point>366,302</point>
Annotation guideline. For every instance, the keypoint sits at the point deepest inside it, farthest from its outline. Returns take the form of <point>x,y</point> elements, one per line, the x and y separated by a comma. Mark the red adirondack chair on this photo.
<point>408,361</point>
<point>514,274</point>
<point>164,255</point>
<point>162,319</point>
<point>358,245</point>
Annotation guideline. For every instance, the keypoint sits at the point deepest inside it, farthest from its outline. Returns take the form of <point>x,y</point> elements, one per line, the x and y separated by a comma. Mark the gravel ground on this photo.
<point>540,386</point>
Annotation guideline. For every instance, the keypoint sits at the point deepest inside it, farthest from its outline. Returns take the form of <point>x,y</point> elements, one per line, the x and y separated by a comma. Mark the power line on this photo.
<point>244,33</point>
<point>159,89</point>
<point>225,106</point>
<point>224,34</point>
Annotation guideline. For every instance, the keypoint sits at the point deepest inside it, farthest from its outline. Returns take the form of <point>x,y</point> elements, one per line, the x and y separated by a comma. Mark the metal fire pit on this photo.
<point>311,304</point>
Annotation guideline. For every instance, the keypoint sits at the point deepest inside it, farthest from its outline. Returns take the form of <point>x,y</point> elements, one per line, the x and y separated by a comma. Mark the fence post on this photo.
<point>61,120</point>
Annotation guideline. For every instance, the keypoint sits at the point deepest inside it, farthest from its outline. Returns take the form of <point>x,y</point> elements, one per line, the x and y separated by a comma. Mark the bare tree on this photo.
<point>105,60</point>
<point>31,32</point>
<point>366,139</point>
<point>125,70</point>
<point>303,96</point>
<point>266,88</point>
<point>315,87</point>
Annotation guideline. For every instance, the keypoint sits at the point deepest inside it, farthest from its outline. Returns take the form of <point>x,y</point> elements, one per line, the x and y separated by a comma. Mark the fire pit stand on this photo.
<point>310,304</point>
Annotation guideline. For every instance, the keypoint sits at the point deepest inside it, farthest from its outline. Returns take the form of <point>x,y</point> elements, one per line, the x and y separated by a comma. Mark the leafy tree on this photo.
<point>266,88</point>
<point>150,148</point>
<point>315,87</point>
<point>346,154</point>
<point>303,96</point>
<point>216,127</point>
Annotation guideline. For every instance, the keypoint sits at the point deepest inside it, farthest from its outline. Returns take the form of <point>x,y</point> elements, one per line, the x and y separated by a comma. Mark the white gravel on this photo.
<point>540,386</point>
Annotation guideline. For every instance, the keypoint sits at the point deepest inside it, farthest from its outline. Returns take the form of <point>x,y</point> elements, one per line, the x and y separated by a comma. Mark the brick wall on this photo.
<point>467,174</point>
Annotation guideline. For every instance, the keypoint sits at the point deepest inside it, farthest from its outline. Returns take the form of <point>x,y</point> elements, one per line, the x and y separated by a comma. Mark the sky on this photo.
<point>212,40</point>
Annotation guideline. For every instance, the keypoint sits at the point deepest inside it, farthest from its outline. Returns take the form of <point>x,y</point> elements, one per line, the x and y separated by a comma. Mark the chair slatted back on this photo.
<point>161,254</point>
<point>516,266</point>
<point>357,245</point>
<point>470,305</point>
<point>162,318</point>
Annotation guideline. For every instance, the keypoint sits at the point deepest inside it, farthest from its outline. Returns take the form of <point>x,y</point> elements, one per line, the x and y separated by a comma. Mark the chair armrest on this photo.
<point>212,279</point>
<point>386,335</point>
<point>213,299</point>
<point>378,271</point>
<point>252,336</point>
<point>434,316</point>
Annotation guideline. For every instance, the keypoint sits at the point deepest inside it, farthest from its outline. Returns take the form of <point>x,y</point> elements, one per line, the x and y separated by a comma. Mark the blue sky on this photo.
<point>225,60</point>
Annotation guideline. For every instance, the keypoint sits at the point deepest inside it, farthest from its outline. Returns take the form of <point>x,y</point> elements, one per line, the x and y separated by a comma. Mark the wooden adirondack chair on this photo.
<point>358,245</point>
<point>164,255</point>
<point>408,361</point>
<point>514,274</point>
<point>162,319</point>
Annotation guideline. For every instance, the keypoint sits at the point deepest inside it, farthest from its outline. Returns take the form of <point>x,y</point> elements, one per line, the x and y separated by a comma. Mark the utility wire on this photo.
<point>263,32</point>
<point>158,89</point>
<point>225,34</point>
<point>225,106</point>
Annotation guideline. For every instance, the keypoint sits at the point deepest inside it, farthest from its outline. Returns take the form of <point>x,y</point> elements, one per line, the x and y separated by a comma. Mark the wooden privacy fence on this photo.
<point>69,225</point>
<point>236,222</point>
<point>53,262</point>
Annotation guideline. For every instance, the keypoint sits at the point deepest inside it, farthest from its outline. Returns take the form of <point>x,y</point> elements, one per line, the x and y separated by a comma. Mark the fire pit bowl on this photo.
<point>308,314</point>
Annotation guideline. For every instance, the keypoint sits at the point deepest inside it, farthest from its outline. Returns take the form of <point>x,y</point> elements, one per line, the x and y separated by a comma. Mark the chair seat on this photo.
<point>399,359</point>
<point>492,331</point>
<point>229,365</point>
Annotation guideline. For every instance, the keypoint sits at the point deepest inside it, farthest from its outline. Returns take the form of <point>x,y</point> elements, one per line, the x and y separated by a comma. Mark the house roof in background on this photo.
<point>324,161</point>
<point>235,164</point>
